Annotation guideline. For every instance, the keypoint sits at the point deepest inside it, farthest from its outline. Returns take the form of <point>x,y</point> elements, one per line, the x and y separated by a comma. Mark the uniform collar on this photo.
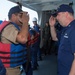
<point>71,23</point>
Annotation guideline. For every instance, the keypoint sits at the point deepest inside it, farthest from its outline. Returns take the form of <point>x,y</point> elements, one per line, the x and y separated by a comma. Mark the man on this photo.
<point>36,27</point>
<point>33,48</point>
<point>15,35</point>
<point>66,51</point>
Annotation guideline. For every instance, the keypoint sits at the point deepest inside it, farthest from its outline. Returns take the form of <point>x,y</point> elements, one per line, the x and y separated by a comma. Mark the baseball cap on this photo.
<point>65,8</point>
<point>13,10</point>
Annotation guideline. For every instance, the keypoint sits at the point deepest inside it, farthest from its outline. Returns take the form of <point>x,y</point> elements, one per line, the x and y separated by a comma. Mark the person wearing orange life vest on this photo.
<point>15,35</point>
<point>34,38</point>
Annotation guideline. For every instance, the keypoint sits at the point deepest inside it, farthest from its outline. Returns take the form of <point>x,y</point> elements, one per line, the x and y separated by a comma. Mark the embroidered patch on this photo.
<point>66,36</point>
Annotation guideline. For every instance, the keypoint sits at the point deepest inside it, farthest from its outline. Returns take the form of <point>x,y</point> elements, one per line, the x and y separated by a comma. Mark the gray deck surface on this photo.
<point>48,66</point>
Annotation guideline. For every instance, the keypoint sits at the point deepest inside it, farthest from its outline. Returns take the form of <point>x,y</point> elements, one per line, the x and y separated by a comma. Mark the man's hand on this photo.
<point>22,36</point>
<point>23,17</point>
<point>52,21</point>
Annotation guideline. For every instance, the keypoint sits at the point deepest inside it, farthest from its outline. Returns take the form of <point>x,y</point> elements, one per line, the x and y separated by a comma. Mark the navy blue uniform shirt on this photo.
<point>66,49</point>
<point>36,28</point>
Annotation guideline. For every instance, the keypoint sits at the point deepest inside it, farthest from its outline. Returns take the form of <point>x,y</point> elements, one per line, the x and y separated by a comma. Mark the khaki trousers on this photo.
<point>13,71</point>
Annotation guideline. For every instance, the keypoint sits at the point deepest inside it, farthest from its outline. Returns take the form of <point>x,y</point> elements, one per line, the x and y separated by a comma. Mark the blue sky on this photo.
<point>5,5</point>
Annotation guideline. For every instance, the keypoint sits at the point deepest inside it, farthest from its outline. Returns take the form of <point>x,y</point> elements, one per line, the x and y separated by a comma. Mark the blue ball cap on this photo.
<point>13,10</point>
<point>65,8</point>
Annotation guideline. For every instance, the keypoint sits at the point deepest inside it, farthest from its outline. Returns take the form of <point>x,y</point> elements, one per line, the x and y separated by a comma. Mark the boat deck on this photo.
<point>48,66</point>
